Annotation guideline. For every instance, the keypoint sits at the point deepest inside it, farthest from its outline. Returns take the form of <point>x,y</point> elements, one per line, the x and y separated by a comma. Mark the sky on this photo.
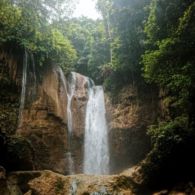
<point>86,8</point>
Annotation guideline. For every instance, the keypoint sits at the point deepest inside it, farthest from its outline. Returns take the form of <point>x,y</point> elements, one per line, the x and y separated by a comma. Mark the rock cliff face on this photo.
<point>79,103</point>
<point>49,183</point>
<point>9,98</point>
<point>44,121</point>
<point>128,117</point>
<point>43,124</point>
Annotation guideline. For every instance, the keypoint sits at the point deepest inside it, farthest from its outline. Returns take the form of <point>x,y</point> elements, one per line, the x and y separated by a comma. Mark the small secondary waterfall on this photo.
<point>34,75</point>
<point>23,91</point>
<point>28,78</point>
<point>70,89</point>
<point>70,93</point>
<point>96,150</point>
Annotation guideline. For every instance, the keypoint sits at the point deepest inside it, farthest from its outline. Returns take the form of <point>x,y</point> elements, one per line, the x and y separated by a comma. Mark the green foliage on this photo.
<point>168,54</point>
<point>170,133</point>
<point>128,41</point>
<point>61,50</point>
<point>9,18</point>
<point>24,23</point>
<point>170,158</point>
<point>9,103</point>
<point>59,185</point>
<point>99,54</point>
<point>163,18</point>
<point>168,60</point>
<point>88,39</point>
<point>50,10</point>
<point>124,26</point>
<point>8,118</point>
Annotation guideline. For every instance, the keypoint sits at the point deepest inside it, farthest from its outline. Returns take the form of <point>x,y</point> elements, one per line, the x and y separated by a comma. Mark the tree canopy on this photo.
<point>28,25</point>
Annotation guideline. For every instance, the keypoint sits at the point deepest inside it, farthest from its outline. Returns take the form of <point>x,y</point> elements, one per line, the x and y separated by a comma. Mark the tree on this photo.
<point>25,24</point>
<point>89,40</point>
<point>51,10</point>
<point>169,59</point>
<point>124,24</point>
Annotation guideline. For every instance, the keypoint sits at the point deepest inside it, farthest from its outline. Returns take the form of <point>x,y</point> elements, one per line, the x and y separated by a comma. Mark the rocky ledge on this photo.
<point>50,183</point>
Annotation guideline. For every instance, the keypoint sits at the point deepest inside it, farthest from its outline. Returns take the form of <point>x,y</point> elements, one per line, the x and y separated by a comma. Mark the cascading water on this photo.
<point>29,81</point>
<point>34,75</point>
<point>23,91</point>
<point>70,94</point>
<point>70,89</point>
<point>96,150</point>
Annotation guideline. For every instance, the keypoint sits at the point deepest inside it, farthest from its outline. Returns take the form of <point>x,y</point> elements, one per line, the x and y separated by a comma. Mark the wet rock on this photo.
<point>128,116</point>
<point>79,103</point>
<point>20,154</point>
<point>163,192</point>
<point>45,124</point>
<point>45,121</point>
<point>2,173</point>
<point>49,183</point>
<point>16,153</point>
<point>135,173</point>
<point>19,180</point>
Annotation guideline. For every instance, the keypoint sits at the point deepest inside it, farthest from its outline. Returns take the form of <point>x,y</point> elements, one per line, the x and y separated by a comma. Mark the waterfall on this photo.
<point>70,89</point>
<point>29,83</point>
<point>96,150</point>
<point>70,94</point>
<point>62,106</point>
<point>34,75</point>
<point>23,91</point>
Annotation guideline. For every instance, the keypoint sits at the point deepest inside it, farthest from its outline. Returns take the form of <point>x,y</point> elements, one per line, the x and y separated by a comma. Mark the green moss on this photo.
<point>9,102</point>
<point>59,185</point>
<point>170,160</point>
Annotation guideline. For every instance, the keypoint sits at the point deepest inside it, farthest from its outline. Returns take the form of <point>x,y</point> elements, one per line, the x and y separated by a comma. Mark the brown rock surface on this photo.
<point>79,102</point>
<point>49,183</point>
<point>45,122</point>
<point>2,173</point>
<point>128,116</point>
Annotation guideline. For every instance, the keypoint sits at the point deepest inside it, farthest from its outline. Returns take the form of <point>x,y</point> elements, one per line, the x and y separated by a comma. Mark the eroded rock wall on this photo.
<point>79,103</point>
<point>45,121</point>
<point>129,115</point>
<point>49,183</point>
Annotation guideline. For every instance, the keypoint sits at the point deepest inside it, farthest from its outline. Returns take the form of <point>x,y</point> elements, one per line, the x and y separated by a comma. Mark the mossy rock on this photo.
<point>16,153</point>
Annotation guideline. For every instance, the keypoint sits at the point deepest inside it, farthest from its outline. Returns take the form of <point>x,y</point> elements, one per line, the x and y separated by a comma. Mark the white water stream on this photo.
<point>70,94</point>
<point>96,150</point>
<point>23,91</point>
<point>27,92</point>
<point>70,90</point>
